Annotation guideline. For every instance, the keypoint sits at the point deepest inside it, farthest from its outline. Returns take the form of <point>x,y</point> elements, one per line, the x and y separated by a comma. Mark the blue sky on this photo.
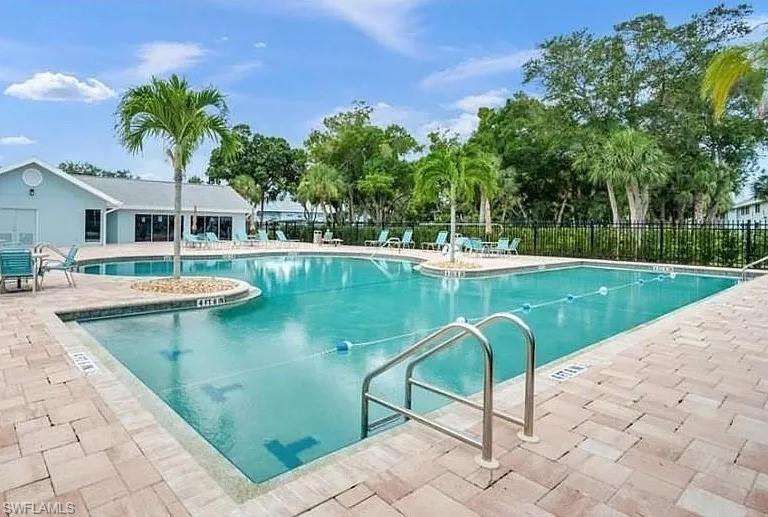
<point>283,64</point>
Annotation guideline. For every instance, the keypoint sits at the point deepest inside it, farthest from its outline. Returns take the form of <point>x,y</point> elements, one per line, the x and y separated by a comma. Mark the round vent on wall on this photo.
<point>32,178</point>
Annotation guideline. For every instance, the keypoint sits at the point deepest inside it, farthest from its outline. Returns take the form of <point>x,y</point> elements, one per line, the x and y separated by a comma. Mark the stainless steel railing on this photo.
<point>429,347</point>
<point>750,265</point>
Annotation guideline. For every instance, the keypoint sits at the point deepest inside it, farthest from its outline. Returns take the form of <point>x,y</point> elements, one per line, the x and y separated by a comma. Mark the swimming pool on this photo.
<point>263,383</point>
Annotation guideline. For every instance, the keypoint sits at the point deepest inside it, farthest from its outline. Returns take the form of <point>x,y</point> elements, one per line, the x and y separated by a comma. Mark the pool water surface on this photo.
<point>263,383</point>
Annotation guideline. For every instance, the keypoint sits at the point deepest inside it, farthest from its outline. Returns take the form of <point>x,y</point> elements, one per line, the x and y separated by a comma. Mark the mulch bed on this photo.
<point>183,285</point>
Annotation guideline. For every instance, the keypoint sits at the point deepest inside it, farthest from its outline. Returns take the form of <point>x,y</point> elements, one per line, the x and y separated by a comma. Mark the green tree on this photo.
<point>350,143</point>
<point>90,169</point>
<point>273,164</point>
<point>182,118</point>
<point>633,160</point>
<point>320,187</point>
<point>195,180</point>
<point>247,187</point>
<point>745,65</point>
<point>760,187</point>
<point>455,171</point>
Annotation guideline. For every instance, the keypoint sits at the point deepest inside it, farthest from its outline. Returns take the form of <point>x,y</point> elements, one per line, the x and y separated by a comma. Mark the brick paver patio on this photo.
<point>670,419</point>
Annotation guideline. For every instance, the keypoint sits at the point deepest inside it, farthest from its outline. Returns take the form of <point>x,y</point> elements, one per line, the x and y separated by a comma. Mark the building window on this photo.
<point>221,227</point>
<point>154,227</point>
<point>757,208</point>
<point>92,225</point>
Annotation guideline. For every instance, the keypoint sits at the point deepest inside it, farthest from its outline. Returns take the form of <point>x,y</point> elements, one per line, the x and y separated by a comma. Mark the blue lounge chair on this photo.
<point>264,237</point>
<point>67,265</point>
<point>16,264</point>
<point>283,239</point>
<point>472,245</point>
<point>328,238</point>
<point>383,236</point>
<point>405,242</point>
<point>212,239</point>
<point>501,247</point>
<point>513,246</point>
<point>242,239</point>
<point>440,241</point>
<point>191,240</point>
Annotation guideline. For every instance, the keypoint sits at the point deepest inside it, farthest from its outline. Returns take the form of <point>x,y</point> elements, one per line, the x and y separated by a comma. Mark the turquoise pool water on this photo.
<point>262,381</point>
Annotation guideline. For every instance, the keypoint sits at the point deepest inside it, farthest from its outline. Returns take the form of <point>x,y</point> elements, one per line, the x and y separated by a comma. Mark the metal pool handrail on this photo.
<point>752,264</point>
<point>530,367</point>
<point>485,444</point>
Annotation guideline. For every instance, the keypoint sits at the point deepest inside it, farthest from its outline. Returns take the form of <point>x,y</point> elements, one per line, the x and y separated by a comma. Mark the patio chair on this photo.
<point>476,246</point>
<point>501,247</point>
<point>285,240</point>
<point>67,265</point>
<point>405,242</point>
<point>242,239</point>
<point>212,239</point>
<point>328,238</point>
<point>16,264</point>
<point>513,246</point>
<point>264,237</point>
<point>383,236</point>
<point>440,241</point>
<point>191,240</point>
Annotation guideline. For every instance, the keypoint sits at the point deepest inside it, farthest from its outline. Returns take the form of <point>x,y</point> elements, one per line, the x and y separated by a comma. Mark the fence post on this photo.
<point>535,238</point>
<point>592,239</point>
<point>748,243</point>
<point>661,241</point>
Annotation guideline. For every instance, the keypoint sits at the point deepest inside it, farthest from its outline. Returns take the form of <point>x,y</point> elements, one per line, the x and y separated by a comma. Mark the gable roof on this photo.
<point>63,175</point>
<point>138,194</point>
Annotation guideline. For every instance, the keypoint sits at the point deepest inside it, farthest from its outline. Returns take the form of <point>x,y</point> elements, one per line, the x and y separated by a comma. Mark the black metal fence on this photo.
<point>705,244</point>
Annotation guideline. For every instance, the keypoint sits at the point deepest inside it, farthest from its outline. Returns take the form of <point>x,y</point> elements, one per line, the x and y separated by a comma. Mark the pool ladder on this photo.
<point>431,346</point>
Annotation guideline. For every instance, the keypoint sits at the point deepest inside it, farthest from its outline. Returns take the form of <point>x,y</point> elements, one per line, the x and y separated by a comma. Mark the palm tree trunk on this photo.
<point>452,252</point>
<point>178,173</point>
<point>614,204</point>
<point>487,216</point>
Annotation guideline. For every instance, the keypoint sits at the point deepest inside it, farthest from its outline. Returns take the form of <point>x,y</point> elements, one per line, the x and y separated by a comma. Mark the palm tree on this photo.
<point>631,159</point>
<point>182,118</point>
<point>731,67</point>
<point>247,187</point>
<point>320,186</point>
<point>454,170</point>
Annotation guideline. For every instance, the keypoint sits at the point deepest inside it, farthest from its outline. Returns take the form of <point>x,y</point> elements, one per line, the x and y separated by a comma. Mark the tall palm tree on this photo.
<point>731,67</point>
<point>247,187</point>
<point>320,186</point>
<point>182,118</point>
<point>456,171</point>
<point>633,160</point>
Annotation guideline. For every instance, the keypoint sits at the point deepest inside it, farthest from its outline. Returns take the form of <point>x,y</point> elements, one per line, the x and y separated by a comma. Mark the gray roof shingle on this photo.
<point>158,195</point>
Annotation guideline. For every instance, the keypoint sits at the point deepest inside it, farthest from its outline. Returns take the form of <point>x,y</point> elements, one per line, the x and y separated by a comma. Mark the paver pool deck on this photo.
<point>671,418</point>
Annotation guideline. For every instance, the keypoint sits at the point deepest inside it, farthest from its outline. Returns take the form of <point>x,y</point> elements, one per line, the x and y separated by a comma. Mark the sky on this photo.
<point>283,64</point>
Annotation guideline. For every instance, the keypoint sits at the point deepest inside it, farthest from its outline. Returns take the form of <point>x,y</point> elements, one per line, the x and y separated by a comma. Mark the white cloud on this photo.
<point>489,99</point>
<point>391,23</point>
<point>758,22</point>
<point>16,140</point>
<point>480,66</point>
<point>160,57</point>
<point>260,44</point>
<point>463,125</point>
<point>236,72</point>
<point>52,86</point>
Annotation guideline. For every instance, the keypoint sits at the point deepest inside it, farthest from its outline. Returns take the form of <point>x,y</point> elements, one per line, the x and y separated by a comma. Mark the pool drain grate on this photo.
<point>568,372</point>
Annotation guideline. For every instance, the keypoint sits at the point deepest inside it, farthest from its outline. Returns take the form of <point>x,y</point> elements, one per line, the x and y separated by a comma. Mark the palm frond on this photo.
<point>724,72</point>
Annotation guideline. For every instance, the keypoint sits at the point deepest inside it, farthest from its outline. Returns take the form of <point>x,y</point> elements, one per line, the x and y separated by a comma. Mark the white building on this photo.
<point>755,210</point>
